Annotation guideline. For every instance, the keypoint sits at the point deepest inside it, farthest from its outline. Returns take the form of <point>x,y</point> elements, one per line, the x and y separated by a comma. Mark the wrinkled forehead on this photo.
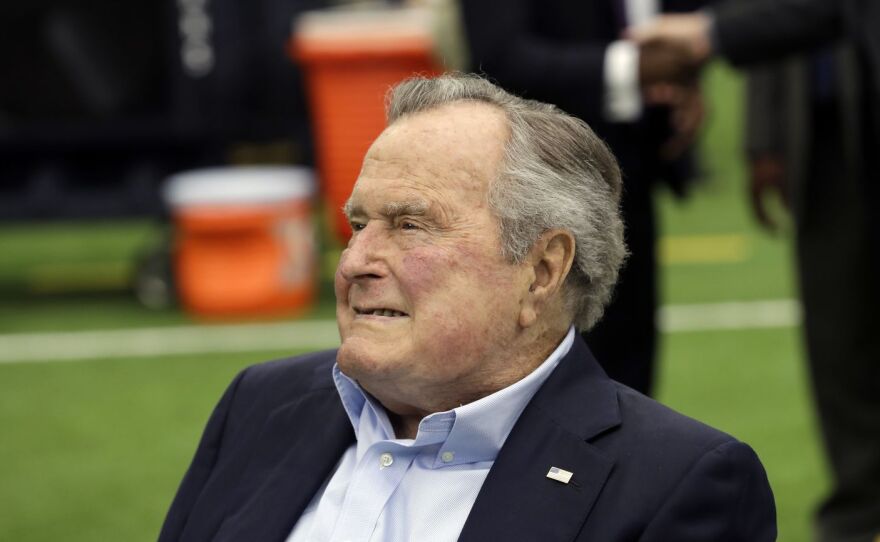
<point>454,128</point>
<point>462,141</point>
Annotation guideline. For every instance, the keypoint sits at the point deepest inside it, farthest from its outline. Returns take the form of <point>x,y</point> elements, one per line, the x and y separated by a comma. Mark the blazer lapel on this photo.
<point>517,500</point>
<point>299,446</point>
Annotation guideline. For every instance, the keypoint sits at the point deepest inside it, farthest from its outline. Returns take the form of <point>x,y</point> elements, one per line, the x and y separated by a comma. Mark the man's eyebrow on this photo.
<point>352,209</point>
<point>399,208</point>
<point>389,210</point>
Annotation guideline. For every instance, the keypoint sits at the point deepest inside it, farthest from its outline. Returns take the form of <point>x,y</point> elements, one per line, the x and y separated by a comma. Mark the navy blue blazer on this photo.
<point>641,471</point>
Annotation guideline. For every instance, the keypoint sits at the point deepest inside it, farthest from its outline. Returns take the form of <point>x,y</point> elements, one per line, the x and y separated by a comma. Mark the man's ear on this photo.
<point>550,258</point>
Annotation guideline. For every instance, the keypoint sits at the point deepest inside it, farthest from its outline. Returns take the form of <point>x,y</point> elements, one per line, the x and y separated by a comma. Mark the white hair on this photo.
<point>557,173</point>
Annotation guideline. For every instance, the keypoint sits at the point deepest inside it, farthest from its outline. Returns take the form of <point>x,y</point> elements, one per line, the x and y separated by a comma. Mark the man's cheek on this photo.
<point>426,266</point>
<point>425,271</point>
<point>450,294</point>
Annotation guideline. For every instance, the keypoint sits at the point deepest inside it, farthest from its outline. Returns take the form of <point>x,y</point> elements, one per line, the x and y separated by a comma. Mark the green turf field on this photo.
<point>93,449</point>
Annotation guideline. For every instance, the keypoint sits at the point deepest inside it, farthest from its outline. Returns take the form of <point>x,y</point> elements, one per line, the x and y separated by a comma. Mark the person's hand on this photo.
<point>674,47</point>
<point>660,64</point>
<point>686,115</point>
<point>767,178</point>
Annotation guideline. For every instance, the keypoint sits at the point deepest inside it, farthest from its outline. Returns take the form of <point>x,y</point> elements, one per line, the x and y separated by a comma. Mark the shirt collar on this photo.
<point>466,434</point>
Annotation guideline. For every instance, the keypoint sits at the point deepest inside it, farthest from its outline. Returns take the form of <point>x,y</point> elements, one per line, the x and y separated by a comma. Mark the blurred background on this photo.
<point>145,143</point>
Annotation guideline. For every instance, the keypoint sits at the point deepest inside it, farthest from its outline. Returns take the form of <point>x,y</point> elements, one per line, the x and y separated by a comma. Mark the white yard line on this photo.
<point>162,341</point>
<point>731,315</point>
<point>320,334</point>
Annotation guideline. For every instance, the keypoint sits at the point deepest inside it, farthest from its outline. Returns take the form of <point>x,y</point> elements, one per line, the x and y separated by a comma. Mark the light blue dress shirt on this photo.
<point>388,489</point>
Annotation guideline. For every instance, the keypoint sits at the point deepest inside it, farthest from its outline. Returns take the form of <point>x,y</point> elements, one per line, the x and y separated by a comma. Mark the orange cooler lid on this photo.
<point>351,33</point>
<point>238,186</point>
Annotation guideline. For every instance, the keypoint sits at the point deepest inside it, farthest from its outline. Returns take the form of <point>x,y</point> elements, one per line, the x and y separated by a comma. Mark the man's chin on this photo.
<point>358,357</point>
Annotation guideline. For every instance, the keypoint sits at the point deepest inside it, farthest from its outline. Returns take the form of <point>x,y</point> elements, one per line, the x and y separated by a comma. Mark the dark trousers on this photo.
<point>839,273</point>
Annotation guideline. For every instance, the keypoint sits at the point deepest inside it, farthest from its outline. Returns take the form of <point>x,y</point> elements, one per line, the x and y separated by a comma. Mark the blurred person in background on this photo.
<point>570,53</point>
<point>101,100</point>
<point>815,126</point>
<point>803,145</point>
<point>462,404</point>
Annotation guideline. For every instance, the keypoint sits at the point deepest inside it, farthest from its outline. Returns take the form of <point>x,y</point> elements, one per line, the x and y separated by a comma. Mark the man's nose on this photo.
<point>363,259</point>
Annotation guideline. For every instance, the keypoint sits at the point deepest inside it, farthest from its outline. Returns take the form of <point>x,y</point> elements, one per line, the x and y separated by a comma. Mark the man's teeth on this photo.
<point>385,312</point>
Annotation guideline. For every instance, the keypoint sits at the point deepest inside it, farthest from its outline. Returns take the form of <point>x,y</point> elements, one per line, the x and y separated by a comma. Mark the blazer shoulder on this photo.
<point>649,423</point>
<point>272,383</point>
<point>657,446</point>
<point>313,370</point>
<point>661,456</point>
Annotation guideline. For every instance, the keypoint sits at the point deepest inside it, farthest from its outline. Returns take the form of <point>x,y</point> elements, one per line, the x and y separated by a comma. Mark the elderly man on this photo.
<point>461,404</point>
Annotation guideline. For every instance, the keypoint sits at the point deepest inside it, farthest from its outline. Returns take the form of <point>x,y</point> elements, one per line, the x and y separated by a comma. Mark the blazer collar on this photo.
<point>296,452</point>
<point>517,500</point>
<point>579,396</point>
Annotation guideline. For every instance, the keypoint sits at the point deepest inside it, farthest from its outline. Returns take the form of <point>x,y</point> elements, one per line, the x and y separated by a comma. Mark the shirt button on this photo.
<point>386,459</point>
<point>447,457</point>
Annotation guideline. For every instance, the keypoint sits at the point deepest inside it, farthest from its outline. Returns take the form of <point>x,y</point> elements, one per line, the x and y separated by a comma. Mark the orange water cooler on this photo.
<point>350,59</point>
<point>244,240</point>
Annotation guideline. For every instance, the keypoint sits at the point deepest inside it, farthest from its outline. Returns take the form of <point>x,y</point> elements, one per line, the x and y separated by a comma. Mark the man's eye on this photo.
<point>407,225</point>
<point>357,226</point>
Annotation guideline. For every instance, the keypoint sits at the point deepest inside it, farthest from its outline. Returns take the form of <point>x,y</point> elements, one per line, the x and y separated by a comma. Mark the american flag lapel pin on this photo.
<point>560,475</point>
